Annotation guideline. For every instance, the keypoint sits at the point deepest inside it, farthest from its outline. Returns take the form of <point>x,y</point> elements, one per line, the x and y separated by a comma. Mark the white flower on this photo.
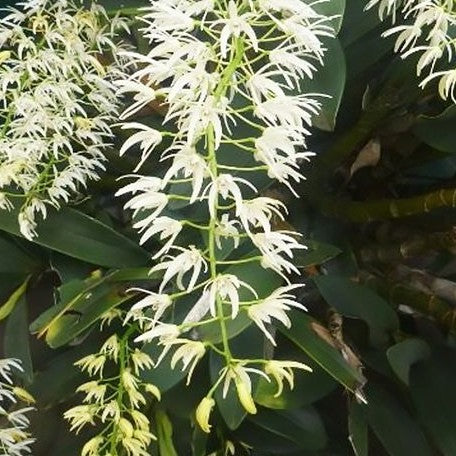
<point>262,86</point>
<point>288,111</point>
<point>144,95</point>
<point>58,102</point>
<point>243,384</point>
<point>276,242</point>
<point>189,352</point>
<point>158,304</point>
<point>226,228</point>
<point>225,186</point>
<point>179,265</point>
<point>258,212</point>
<point>235,25</point>
<point>225,287</point>
<point>191,164</point>
<point>147,138</point>
<point>166,226</point>
<point>163,331</point>
<point>275,306</point>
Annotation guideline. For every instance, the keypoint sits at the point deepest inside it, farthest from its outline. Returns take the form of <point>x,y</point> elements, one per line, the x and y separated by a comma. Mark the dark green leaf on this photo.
<point>404,354</point>
<point>316,253</point>
<point>303,334</point>
<point>357,428</point>
<point>164,434</point>
<point>330,80</point>
<point>280,432</point>
<point>354,300</point>
<point>438,131</point>
<point>17,338</point>
<point>393,426</point>
<point>77,235</point>
<point>81,304</point>
<point>432,390</point>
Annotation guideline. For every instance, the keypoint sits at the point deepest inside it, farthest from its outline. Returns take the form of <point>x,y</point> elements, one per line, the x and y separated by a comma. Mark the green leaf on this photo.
<point>438,131</point>
<point>406,353</point>
<point>432,390</point>
<point>354,300</point>
<point>303,334</point>
<point>330,80</point>
<point>59,379</point>
<point>11,302</point>
<point>164,434</point>
<point>75,234</point>
<point>19,262</point>
<point>162,376</point>
<point>393,426</point>
<point>316,253</point>
<point>358,429</point>
<point>81,304</point>
<point>280,432</point>
<point>17,338</point>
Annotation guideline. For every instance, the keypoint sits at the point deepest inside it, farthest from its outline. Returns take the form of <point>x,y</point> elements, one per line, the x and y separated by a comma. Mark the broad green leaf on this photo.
<point>316,253</point>
<point>393,426</point>
<point>357,428</point>
<point>432,390</point>
<point>303,334</point>
<point>283,431</point>
<point>75,234</point>
<point>17,338</point>
<point>162,376</point>
<point>355,300</point>
<point>406,353</point>
<point>438,131</point>
<point>58,381</point>
<point>81,304</point>
<point>164,434</point>
<point>11,302</point>
<point>330,80</point>
<point>15,260</point>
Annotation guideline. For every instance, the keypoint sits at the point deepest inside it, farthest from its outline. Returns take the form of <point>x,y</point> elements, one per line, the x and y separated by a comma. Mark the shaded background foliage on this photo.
<point>378,213</point>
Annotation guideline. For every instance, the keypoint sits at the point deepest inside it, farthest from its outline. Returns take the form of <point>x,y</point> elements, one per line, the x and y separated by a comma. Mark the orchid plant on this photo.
<point>220,67</point>
<point>180,275</point>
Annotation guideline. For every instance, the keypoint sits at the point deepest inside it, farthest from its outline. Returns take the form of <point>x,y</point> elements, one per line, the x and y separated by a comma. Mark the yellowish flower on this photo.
<point>203,412</point>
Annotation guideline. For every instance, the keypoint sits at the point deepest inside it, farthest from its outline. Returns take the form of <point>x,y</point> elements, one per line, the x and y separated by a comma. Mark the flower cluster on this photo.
<point>229,74</point>
<point>114,400</point>
<point>14,438</point>
<point>429,32</point>
<point>57,101</point>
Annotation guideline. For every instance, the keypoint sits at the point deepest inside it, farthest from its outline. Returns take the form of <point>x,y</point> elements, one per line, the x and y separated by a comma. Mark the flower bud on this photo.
<point>203,413</point>
<point>245,396</point>
<point>23,395</point>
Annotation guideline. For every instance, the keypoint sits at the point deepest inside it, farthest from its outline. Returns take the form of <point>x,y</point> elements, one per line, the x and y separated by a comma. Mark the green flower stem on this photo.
<point>213,166</point>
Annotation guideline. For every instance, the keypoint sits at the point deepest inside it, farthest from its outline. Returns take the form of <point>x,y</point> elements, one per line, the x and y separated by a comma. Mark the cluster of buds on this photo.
<point>14,438</point>
<point>57,101</point>
<point>229,73</point>
<point>428,31</point>
<point>114,399</point>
